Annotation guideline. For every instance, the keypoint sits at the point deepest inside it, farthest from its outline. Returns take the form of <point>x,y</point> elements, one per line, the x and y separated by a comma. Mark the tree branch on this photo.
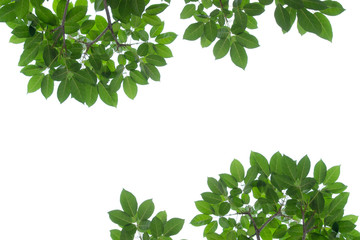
<point>109,23</point>
<point>222,8</point>
<point>62,27</point>
<point>270,219</point>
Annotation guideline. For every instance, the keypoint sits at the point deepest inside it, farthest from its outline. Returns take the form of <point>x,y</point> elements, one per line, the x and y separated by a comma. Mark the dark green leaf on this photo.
<point>345,226</point>
<point>282,18</point>
<point>326,29</point>
<point>317,203</point>
<point>296,4</point>
<point>151,71</point>
<point>76,14</point>
<point>314,4</point>
<point>253,9</point>
<point>138,7</point>
<point>8,12</point>
<point>237,170</point>
<point>29,55</point>
<point>21,32</point>
<point>50,55</point>
<point>334,8</point>
<point>156,227</point>
<point>224,208</point>
<point>163,51</point>
<point>47,86</point>
<point>22,8</point>
<point>308,21</point>
<point>45,15</point>
<point>156,8</point>
<point>63,91</point>
<point>251,174</point>
<point>336,187</point>
<point>288,167</point>
<point>210,30</point>
<point>215,186</point>
<point>111,99</point>
<point>280,231</point>
<point>338,202</point>
<point>229,180</point>
<point>128,202</point>
<point>247,40</point>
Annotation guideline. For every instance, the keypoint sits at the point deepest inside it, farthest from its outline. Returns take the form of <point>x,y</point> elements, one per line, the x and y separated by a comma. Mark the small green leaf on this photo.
<point>253,9</point>
<point>156,227</point>
<point>173,226</point>
<point>237,170</point>
<point>156,8</point>
<point>188,11</point>
<point>156,30</point>
<point>119,217</point>
<point>210,228</point>
<point>115,234</point>
<point>200,220</point>
<point>303,168</point>
<point>221,48</point>
<point>215,186</point>
<point>63,91</point>
<point>47,86</point>
<point>35,83</point>
<point>111,99</point>
<point>163,51</point>
<point>76,14</point>
<point>320,171</point>
<point>308,21</point>
<point>210,30</point>
<point>50,55</point>
<point>282,18</point>
<point>146,209</point>
<point>238,55</point>
<point>251,175</point>
<point>229,180</point>
<point>46,15</point>
<point>151,19</point>
<point>204,207</point>
<point>332,175</point>
<point>100,23</point>
<point>194,31</point>
<point>138,77</point>
<point>211,197</point>
<point>326,30</point>
<point>151,71</point>
<point>130,87</point>
<point>166,38</point>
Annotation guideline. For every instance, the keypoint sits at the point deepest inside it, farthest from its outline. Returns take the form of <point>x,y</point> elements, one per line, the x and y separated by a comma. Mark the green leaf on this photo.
<point>47,86</point>
<point>275,163</point>
<point>296,230</point>
<point>210,228</point>
<point>345,226</point>
<point>115,234</point>
<point>31,70</point>
<point>156,8</point>
<point>137,7</point>
<point>221,48</point>
<point>111,99</point>
<point>334,8</point>
<point>224,208</point>
<point>351,218</point>
<point>336,187</point>
<point>215,186</point>
<point>22,8</point>
<point>156,30</point>
<point>151,71</point>
<point>200,220</point>
<point>146,209</point>
<point>333,217</point>
<point>214,236</point>
<point>155,60</point>
<point>86,26</point>
<point>76,14</point>
<point>238,55</point>
<point>21,32</point>
<point>85,76</point>
<point>91,95</point>
<point>63,91</point>
<point>8,12</point>
<point>282,18</point>
<point>237,170</point>
<point>29,55</point>
<point>261,162</point>
<point>288,167</point>
<point>211,197</point>
<point>320,171</point>
<point>296,4</point>
<point>166,38</point>
<point>130,87</point>
<point>314,4</point>
<point>78,90</point>
<point>229,180</point>
<point>338,202</point>
<point>317,203</point>
<point>128,202</point>
<point>50,55</point>
<point>265,2</point>
<point>194,31</point>
<point>251,175</point>
<point>100,23</point>
<point>254,9</point>
<point>326,30</point>
<point>138,77</point>
<point>163,51</point>
<point>71,27</point>
<point>188,11</point>
<point>332,175</point>
<point>119,217</point>
<point>173,226</point>
<point>303,168</point>
<point>151,19</point>
<point>282,181</point>
<point>280,231</point>
<point>46,15</point>
<point>308,21</point>
<point>210,30</point>
<point>204,207</point>
<point>156,227</point>
<point>35,83</point>
<point>247,40</point>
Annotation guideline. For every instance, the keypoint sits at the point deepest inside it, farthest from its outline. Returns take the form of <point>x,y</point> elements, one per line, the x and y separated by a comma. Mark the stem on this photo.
<point>222,8</point>
<point>62,27</point>
<point>270,219</point>
<point>109,23</point>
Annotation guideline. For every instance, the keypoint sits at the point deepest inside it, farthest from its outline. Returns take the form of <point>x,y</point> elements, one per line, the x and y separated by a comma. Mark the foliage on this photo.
<point>135,220</point>
<point>88,57</point>
<point>286,202</point>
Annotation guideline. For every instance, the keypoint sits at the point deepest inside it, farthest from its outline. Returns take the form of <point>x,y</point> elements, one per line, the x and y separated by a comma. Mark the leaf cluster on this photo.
<point>276,199</point>
<point>86,56</point>
<point>137,221</point>
<point>229,24</point>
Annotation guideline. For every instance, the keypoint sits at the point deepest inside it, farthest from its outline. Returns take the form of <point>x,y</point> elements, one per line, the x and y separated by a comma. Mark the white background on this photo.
<point>63,166</point>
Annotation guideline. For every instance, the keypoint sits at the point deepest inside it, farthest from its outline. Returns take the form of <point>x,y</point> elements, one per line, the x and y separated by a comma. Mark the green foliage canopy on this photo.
<point>276,199</point>
<point>87,57</point>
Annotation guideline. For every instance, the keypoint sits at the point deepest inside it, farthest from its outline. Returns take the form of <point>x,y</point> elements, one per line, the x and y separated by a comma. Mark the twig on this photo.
<point>222,8</point>
<point>109,23</point>
<point>270,219</point>
<point>62,27</point>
